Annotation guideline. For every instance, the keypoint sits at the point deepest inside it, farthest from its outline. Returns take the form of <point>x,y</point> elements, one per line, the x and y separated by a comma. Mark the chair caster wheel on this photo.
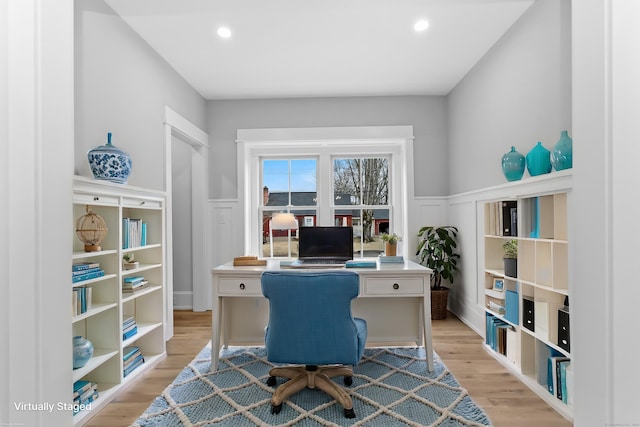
<point>271,381</point>
<point>349,413</point>
<point>275,409</point>
<point>348,381</point>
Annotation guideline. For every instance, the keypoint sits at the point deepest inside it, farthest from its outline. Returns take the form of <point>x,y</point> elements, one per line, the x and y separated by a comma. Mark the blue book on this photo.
<point>357,263</point>
<point>137,362</point>
<point>130,333</point>
<point>535,218</point>
<point>563,379</point>
<point>511,306</point>
<point>133,279</point>
<point>125,233</point>
<point>86,271</point>
<point>83,266</point>
<point>143,234</point>
<point>129,351</point>
<point>81,386</point>
<point>83,300</point>
<point>87,276</point>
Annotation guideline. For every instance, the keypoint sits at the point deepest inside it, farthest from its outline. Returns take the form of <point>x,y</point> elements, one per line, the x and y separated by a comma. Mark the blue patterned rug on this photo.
<point>390,388</point>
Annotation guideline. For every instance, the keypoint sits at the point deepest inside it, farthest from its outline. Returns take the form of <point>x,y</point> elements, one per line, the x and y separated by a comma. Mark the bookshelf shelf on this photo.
<point>102,322</point>
<point>526,339</point>
<point>128,297</point>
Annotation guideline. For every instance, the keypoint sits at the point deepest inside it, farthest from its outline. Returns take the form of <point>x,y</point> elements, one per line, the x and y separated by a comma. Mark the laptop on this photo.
<point>324,246</point>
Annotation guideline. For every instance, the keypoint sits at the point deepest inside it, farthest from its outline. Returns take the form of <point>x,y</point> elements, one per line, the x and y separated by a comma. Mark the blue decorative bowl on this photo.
<point>82,351</point>
<point>109,163</point>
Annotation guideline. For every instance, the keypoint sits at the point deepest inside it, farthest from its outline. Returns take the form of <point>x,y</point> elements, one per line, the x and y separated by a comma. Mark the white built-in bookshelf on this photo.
<point>526,319</point>
<point>102,321</point>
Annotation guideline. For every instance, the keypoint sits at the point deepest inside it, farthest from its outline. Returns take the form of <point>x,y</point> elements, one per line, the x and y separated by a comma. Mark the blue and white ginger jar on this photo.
<point>109,163</point>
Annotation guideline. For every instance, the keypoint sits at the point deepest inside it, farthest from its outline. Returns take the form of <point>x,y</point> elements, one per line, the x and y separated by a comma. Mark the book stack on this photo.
<point>132,358</point>
<point>497,336</point>
<point>557,377</point>
<point>85,271</point>
<point>129,327</point>
<point>134,233</point>
<point>84,392</point>
<point>81,300</point>
<point>133,283</point>
<point>391,259</point>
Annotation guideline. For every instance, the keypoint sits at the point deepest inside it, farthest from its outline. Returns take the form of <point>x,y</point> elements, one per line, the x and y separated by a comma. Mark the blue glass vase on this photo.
<point>513,164</point>
<point>562,154</point>
<point>538,160</point>
<point>82,351</point>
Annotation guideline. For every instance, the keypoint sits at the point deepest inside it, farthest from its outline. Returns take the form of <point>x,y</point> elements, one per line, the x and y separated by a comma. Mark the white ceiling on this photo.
<point>310,48</point>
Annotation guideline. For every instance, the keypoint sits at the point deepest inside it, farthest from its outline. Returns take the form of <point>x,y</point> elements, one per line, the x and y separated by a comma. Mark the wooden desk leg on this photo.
<point>428,345</point>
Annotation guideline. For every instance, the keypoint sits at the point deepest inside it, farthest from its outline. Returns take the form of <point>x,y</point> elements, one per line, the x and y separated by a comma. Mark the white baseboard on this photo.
<point>183,300</point>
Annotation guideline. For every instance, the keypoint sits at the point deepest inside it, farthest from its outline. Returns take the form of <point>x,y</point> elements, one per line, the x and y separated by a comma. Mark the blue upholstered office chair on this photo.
<point>311,325</point>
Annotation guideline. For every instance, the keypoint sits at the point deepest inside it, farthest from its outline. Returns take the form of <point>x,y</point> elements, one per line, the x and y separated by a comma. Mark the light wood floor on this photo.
<point>505,399</point>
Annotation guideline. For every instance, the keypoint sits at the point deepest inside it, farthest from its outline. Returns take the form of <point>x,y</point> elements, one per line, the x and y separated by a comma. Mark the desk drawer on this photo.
<point>394,286</point>
<point>239,286</point>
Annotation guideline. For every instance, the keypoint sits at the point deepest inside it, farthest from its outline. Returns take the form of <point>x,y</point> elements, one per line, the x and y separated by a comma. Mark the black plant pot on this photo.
<point>511,267</point>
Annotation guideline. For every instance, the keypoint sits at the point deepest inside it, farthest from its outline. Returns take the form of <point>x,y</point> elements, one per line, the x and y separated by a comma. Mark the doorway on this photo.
<point>190,252</point>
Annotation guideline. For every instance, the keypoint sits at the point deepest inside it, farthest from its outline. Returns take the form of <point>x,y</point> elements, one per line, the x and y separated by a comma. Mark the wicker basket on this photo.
<point>439,299</point>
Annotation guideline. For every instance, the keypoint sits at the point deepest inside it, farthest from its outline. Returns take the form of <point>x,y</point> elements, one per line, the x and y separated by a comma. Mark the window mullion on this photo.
<point>325,190</point>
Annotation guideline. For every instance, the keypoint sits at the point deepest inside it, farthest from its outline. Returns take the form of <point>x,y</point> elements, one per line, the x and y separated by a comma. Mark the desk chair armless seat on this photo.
<point>311,325</point>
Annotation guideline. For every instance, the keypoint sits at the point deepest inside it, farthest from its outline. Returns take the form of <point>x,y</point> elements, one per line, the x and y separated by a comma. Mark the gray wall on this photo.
<point>427,115</point>
<point>122,86</point>
<point>518,94</point>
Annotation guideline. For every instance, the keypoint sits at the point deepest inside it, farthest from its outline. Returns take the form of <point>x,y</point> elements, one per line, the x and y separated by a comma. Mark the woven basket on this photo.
<point>439,299</point>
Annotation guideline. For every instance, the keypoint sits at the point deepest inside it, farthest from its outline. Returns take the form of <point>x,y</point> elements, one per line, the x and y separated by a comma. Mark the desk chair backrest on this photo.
<point>310,319</point>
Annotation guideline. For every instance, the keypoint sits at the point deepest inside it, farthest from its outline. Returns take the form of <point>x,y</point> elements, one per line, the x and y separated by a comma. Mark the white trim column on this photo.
<point>36,121</point>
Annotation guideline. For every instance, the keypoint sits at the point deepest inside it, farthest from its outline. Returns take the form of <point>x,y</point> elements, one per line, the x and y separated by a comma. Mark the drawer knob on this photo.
<point>96,198</point>
<point>143,203</point>
<point>242,286</point>
<point>396,286</point>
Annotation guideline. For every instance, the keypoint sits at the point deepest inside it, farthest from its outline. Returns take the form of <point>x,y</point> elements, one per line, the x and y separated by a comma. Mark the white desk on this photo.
<point>394,299</point>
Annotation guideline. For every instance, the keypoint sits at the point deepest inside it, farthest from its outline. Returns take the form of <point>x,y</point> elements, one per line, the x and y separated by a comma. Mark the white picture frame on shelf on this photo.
<point>498,285</point>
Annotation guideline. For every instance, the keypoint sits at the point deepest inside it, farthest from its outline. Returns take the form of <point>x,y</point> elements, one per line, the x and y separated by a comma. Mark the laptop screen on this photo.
<point>325,243</point>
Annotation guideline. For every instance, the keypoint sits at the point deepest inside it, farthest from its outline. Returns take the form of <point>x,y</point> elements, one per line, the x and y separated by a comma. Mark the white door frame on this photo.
<point>181,128</point>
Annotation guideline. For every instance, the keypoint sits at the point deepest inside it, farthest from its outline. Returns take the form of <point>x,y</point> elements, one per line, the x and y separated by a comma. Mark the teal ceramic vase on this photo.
<point>513,164</point>
<point>538,160</point>
<point>562,154</point>
<point>82,351</point>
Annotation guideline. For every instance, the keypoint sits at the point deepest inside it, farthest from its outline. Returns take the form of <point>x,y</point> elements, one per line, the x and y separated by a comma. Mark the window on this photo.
<point>337,176</point>
<point>361,200</point>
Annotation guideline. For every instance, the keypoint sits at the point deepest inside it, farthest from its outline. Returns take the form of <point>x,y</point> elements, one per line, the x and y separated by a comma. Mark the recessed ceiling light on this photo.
<point>224,32</point>
<point>421,25</point>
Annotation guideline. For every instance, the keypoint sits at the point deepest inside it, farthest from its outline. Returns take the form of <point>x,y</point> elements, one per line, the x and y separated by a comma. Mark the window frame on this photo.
<point>253,145</point>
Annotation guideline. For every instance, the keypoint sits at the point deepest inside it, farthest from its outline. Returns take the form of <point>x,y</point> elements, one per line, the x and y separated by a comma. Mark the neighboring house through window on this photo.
<point>353,177</point>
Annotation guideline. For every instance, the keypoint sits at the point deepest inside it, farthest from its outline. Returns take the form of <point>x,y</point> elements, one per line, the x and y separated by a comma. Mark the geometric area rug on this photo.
<point>391,387</point>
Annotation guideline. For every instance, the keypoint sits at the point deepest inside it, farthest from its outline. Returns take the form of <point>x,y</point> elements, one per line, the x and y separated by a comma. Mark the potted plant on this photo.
<point>510,257</point>
<point>128,262</point>
<point>436,250</point>
<point>391,243</point>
